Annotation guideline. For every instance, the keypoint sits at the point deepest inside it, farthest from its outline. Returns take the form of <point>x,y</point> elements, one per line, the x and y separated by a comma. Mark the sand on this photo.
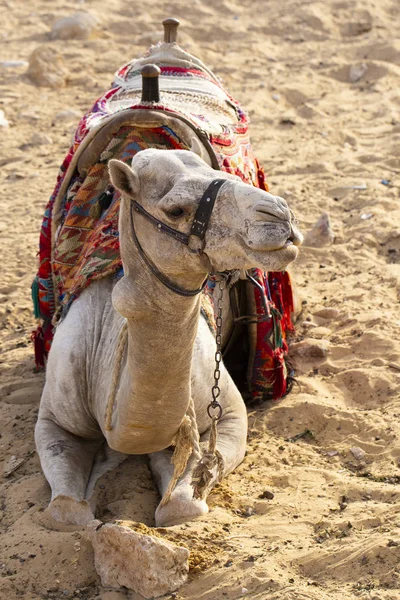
<point>321,83</point>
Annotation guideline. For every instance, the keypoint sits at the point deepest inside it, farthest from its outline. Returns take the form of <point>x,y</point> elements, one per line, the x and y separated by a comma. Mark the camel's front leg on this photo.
<point>67,462</point>
<point>231,444</point>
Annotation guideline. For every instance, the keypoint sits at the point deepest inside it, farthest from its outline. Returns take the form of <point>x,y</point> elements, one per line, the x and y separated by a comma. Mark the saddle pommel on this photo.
<point>150,87</point>
<point>170,30</point>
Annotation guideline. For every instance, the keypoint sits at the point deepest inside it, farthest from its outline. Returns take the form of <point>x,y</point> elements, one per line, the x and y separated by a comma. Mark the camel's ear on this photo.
<point>123,178</point>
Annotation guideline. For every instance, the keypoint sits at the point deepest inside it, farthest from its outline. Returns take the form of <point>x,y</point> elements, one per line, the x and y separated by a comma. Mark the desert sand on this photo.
<point>320,81</point>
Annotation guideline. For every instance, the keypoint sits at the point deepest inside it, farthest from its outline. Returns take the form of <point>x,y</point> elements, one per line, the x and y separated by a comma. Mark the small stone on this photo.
<point>321,233</point>
<point>267,495</point>
<point>148,565</point>
<point>78,26</point>
<point>357,452</point>
<point>248,512</point>
<point>12,465</point>
<point>357,72</point>
<point>228,563</point>
<point>332,453</point>
<point>393,543</point>
<point>244,590</point>
<point>40,139</point>
<point>3,120</point>
<point>310,348</point>
<point>47,68</point>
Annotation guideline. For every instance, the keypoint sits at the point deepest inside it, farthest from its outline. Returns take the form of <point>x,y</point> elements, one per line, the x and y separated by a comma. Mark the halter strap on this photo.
<point>199,227</point>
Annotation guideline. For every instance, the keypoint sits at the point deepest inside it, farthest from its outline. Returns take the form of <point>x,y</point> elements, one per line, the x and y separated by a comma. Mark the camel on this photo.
<point>170,356</point>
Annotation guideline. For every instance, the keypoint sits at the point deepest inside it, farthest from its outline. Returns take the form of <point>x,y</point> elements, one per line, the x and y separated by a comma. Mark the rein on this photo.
<point>198,229</point>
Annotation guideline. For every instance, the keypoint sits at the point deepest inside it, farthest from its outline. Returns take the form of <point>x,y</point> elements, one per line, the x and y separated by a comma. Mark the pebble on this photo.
<point>321,233</point>
<point>3,120</point>
<point>40,139</point>
<point>357,72</point>
<point>310,348</point>
<point>244,590</point>
<point>266,495</point>
<point>357,452</point>
<point>47,68</point>
<point>78,26</point>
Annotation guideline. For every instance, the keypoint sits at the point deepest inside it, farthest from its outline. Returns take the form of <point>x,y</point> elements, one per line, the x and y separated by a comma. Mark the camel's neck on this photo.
<point>155,385</point>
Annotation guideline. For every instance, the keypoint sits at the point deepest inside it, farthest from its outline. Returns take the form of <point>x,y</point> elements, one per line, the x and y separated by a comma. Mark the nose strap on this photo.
<point>205,208</point>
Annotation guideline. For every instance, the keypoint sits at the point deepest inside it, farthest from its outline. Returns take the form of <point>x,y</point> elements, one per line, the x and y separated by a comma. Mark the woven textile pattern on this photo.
<point>86,248</point>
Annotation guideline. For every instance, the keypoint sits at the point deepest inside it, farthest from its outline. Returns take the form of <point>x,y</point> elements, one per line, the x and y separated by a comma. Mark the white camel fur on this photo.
<point>170,349</point>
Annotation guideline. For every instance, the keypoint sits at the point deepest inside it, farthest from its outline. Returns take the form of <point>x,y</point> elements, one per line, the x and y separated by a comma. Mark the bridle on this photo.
<point>198,229</point>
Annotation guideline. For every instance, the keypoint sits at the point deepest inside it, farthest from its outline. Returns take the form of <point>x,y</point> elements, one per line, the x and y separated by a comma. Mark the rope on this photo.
<point>122,339</point>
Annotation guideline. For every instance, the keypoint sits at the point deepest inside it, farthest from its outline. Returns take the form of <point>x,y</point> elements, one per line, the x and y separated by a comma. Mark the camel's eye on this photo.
<point>175,212</point>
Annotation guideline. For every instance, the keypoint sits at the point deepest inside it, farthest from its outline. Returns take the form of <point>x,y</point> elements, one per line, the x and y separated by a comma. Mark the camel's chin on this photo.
<point>276,260</point>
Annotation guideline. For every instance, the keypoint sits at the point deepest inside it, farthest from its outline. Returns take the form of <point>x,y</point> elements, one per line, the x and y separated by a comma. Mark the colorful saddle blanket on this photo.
<point>79,238</point>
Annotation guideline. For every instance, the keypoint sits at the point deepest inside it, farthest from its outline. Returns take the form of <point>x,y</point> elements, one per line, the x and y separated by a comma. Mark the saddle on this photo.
<point>79,241</point>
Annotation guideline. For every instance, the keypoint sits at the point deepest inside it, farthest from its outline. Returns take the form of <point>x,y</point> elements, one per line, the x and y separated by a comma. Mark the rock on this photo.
<point>3,120</point>
<point>78,26</point>
<point>357,452</point>
<point>321,234</point>
<point>357,72</point>
<point>12,465</point>
<point>266,495</point>
<point>40,139</point>
<point>148,565</point>
<point>310,348</point>
<point>47,68</point>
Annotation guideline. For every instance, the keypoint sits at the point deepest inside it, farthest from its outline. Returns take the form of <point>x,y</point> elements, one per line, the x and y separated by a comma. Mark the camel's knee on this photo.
<point>181,507</point>
<point>67,511</point>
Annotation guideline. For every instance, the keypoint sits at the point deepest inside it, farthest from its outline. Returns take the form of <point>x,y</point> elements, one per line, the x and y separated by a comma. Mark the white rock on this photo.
<point>78,26</point>
<point>357,452</point>
<point>3,120</point>
<point>148,565</point>
<point>321,234</point>
<point>47,68</point>
<point>357,72</point>
<point>40,139</point>
<point>310,348</point>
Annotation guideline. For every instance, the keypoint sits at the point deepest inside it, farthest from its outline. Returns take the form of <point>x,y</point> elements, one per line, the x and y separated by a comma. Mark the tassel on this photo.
<point>38,344</point>
<point>280,374</point>
<point>35,298</point>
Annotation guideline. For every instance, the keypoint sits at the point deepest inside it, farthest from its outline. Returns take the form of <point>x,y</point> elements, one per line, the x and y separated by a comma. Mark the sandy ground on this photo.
<point>332,530</point>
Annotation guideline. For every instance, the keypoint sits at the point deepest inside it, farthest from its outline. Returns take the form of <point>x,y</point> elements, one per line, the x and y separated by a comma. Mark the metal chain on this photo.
<point>214,409</point>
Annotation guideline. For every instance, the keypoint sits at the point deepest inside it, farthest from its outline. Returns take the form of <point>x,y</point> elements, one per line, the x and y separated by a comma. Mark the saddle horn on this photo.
<point>150,87</point>
<point>170,30</point>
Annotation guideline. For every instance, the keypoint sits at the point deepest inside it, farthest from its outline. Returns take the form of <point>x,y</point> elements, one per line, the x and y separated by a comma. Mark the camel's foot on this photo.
<point>67,510</point>
<point>180,508</point>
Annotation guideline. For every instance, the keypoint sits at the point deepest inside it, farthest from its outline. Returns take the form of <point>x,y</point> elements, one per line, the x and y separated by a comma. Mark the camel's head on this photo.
<point>248,227</point>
